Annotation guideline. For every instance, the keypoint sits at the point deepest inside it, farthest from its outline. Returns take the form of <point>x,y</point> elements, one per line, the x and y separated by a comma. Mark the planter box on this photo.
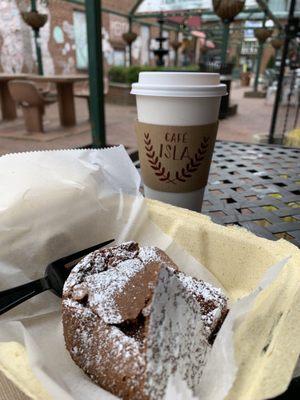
<point>119,93</point>
<point>245,78</point>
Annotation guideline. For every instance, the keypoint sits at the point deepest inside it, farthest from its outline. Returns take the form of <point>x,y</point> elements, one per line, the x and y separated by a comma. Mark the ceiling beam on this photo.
<point>135,7</point>
<point>187,13</point>
<point>253,13</point>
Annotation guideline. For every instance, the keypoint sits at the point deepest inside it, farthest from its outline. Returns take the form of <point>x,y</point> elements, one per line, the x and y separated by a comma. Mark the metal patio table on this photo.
<point>257,187</point>
<point>64,85</point>
<point>65,94</point>
<point>254,186</point>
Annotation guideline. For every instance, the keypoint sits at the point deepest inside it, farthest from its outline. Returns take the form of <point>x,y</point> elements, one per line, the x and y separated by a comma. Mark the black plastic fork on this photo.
<point>56,274</point>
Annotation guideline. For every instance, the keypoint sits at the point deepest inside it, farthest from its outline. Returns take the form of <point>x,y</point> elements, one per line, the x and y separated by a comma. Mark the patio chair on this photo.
<point>29,97</point>
<point>47,89</point>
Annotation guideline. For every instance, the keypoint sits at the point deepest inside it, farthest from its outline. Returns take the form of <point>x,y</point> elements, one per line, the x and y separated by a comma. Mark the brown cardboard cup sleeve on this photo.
<point>175,158</point>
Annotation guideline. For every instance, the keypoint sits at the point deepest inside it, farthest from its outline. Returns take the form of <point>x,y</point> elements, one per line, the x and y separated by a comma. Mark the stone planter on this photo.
<point>175,45</point>
<point>34,19</point>
<point>129,37</point>
<point>228,9</point>
<point>277,43</point>
<point>119,93</point>
<point>245,78</point>
<point>262,34</point>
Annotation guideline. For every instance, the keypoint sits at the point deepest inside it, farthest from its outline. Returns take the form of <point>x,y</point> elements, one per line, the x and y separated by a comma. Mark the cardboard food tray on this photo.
<point>265,367</point>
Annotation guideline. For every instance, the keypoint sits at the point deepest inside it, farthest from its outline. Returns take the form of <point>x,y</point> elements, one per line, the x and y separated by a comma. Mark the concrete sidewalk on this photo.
<point>253,118</point>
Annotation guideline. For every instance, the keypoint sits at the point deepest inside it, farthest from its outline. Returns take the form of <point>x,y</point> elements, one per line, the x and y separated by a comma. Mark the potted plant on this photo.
<point>34,19</point>
<point>245,78</point>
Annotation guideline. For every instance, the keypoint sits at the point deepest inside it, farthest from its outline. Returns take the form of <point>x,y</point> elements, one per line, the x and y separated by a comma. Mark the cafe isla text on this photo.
<point>175,146</point>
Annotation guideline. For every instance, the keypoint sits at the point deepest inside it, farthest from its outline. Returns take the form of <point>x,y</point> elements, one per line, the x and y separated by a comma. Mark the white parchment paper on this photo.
<point>55,203</point>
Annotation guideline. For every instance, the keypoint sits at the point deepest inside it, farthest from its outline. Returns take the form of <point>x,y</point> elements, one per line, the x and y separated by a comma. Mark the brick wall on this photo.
<point>123,6</point>
<point>63,53</point>
<point>62,12</point>
<point>59,55</point>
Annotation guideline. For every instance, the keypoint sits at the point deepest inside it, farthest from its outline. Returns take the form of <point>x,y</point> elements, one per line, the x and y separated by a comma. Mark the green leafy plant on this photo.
<point>271,63</point>
<point>129,75</point>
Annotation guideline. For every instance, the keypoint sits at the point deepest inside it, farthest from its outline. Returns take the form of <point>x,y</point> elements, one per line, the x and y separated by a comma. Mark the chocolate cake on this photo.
<point>131,319</point>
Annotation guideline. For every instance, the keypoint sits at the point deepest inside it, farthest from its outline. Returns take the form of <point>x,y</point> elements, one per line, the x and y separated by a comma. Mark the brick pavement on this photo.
<point>253,118</point>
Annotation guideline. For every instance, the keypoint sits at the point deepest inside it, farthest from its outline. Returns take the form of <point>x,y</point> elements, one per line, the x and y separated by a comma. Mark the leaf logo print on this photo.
<point>154,162</point>
<point>194,163</point>
<point>180,175</point>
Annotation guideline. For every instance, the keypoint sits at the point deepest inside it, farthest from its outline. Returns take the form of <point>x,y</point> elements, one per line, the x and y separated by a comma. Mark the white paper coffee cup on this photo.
<point>182,106</point>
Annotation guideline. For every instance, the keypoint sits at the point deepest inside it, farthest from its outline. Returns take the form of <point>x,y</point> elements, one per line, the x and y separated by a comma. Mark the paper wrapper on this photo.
<point>56,203</point>
<point>175,158</point>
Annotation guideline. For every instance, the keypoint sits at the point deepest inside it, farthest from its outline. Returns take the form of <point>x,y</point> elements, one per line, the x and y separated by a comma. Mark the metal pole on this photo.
<point>38,50</point>
<point>33,5</point>
<point>259,57</point>
<point>160,58</point>
<point>94,36</point>
<point>281,73</point>
<point>130,48</point>
<point>226,27</point>
<point>135,7</point>
<point>176,50</point>
<point>161,22</point>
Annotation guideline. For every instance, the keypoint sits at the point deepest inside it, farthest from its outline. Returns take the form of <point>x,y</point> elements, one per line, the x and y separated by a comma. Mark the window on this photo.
<point>119,57</point>
<point>145,43</point>
<point>80,37</point>
<point>278,5</point>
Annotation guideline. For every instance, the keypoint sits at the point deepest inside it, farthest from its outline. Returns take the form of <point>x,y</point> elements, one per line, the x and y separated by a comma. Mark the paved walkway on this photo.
<point>253,118</point>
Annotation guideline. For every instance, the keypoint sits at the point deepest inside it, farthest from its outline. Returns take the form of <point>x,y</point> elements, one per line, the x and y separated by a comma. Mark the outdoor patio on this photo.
<point>243,127</point>
<point>215,133</point>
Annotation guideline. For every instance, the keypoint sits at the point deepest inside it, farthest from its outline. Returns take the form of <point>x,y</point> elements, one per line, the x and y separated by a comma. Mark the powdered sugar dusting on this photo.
<point>184,314</point>
<point>149,254</point>
<point>103,275</point>
<point>104,287</point>
<point>177,340</point>
<point>85,266</point>
<point>174,324</point>
<point>93,344</point>
<point>211,300</point>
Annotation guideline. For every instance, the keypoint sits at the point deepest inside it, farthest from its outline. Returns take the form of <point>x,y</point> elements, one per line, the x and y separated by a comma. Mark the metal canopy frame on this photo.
<point>94,9</point>
<point>255,14</point>
<point>265,8</point>
<point>290,33</point>
<point>36,34</point>
<point>94,34</point>
<point>262,7</point>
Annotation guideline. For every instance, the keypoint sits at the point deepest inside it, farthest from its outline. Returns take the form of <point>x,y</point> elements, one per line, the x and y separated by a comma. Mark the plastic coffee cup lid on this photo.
<point>179,84</point>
